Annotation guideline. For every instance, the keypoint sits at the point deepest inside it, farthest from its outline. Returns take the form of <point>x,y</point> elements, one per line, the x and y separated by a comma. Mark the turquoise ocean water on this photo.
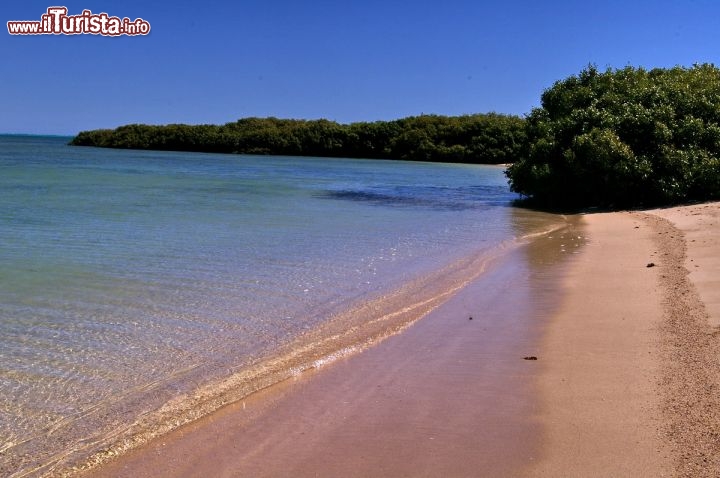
<point>130,280</point>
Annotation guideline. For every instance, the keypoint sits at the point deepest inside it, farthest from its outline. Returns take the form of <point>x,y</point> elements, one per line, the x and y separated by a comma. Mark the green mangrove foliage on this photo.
<point>481,138</point>
<point>619,138</point>
<point>624,138</point>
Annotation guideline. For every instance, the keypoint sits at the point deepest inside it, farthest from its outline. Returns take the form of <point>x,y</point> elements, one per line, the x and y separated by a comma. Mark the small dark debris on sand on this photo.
<point>531,357</point>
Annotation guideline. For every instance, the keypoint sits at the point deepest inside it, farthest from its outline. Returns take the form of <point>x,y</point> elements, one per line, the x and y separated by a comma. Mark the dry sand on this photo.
<point>626,381</point>
<point>700,226</point>
<point>599,408</point>
<point>631,385</point>
<point>688,250</point>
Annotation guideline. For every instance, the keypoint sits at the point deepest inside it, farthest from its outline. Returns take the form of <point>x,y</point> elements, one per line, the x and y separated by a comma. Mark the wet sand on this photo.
<point>625,382</point>
<point>449,396</point>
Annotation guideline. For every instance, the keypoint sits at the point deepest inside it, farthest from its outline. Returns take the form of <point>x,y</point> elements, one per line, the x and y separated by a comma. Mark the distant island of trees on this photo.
<point>480,138</point>
<point>621,138</point>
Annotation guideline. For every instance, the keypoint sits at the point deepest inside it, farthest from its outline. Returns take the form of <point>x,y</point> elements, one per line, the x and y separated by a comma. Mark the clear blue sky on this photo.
<point>217,60</point>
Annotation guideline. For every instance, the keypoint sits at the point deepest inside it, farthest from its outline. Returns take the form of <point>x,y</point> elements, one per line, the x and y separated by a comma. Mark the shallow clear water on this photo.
<point>129,277</point>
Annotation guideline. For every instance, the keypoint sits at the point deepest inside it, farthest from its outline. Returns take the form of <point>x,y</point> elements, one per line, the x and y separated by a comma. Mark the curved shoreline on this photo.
<point>440,371</point>
<point>625,383</point>
<point>343,336</point>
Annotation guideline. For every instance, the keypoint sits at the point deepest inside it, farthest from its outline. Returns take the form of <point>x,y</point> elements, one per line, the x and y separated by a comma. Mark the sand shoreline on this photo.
<point>408,402</point>
<point>601,400</point>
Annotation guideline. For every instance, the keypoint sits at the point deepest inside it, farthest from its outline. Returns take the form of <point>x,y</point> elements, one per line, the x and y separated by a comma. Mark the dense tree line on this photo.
<point>481,138</point>
<point>619,138</point>
<point>624,138</point>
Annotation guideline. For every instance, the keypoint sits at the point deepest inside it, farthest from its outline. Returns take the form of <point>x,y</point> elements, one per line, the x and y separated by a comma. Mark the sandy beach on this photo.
<point>619,313</point>
<point>599,407</point>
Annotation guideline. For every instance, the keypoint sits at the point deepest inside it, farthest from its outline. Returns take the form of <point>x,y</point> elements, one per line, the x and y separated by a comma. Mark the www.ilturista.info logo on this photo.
<point>57,22</point>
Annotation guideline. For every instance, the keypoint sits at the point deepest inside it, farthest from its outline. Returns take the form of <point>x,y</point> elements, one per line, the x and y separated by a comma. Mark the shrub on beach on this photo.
<point>623,138</point>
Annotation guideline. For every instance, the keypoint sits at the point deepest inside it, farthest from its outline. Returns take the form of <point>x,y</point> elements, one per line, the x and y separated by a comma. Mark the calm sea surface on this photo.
<point>128,279</point>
